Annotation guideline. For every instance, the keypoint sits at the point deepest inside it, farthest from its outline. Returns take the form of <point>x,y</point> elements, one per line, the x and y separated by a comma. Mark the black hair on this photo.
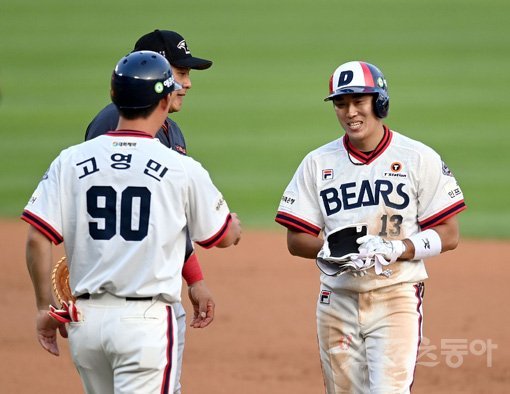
<point>135,113</point>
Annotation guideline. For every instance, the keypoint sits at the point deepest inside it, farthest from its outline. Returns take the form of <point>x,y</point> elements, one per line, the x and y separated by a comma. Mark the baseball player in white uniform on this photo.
<point>121,203</point>
<point>370,326</point>
<point>176,50</point>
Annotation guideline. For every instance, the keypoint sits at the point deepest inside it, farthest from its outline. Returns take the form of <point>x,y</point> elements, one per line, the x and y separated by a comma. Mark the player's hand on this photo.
<point>203,304</point>
<point>46,328</point>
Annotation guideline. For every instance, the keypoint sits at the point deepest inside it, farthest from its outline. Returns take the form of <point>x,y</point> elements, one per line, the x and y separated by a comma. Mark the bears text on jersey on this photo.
<point>355,195</point>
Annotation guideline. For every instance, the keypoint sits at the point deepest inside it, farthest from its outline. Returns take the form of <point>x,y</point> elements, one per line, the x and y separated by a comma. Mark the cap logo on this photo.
<point>345,78</point>
<point>158,87</point>
<point>380,82</point>
<point>182,45</point>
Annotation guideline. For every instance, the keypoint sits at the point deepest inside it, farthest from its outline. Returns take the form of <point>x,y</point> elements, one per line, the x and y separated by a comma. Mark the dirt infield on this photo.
<point>263,337</point>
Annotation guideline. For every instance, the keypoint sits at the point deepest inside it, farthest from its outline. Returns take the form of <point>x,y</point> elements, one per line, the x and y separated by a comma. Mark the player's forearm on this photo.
<point>38,259</point>
<point>303,244</point>
<point>448,232</point>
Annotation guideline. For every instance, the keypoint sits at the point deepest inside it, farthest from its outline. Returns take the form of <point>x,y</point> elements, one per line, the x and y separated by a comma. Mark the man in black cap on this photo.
<point>174,48</point>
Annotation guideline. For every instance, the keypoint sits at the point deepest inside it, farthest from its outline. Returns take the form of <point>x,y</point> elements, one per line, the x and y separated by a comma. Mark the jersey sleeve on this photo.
<point>207,212</point>
<point>299,209</point>
<point>439,195</point>
<point>177,141</point>
<point>43,210</point>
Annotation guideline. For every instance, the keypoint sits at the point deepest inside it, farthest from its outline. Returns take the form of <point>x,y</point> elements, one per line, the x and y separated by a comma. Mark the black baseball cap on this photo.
<point>173,46</point>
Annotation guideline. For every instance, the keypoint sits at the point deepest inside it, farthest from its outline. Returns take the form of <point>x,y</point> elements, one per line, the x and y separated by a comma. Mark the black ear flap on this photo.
<point>381,105</point>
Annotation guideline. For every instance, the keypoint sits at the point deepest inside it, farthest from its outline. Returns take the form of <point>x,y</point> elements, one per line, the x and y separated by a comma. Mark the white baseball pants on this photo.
<point>125,347</point>
<point>369,341</point>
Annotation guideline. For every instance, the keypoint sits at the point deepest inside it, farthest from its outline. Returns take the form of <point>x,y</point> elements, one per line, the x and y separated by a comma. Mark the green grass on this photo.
<point>252,117</point>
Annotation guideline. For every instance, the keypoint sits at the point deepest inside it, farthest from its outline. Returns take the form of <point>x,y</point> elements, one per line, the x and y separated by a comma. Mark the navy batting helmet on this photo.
<point>361,77</point>
<point>140,79</point>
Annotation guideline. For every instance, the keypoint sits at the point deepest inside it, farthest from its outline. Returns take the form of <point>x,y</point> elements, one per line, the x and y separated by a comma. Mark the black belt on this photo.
<point>86,296</point>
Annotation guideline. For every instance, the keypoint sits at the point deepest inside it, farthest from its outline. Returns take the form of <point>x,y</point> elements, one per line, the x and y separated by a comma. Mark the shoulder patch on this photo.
<point>446,170</point>
<point>180,149</point>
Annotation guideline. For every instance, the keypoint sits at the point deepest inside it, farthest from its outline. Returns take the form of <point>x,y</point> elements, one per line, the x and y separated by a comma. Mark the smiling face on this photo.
<point>182,76</point>
<point>355,112</point>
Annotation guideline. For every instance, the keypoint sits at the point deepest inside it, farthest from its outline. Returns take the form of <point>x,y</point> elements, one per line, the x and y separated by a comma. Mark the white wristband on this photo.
<point>426,244</point>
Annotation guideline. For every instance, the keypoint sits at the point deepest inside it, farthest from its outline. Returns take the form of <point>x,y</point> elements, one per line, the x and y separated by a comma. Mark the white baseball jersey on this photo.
<point>399,189</point>
<point>121,202</point>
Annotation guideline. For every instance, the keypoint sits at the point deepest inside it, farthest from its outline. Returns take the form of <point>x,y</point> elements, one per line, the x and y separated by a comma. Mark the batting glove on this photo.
<point>383,252</point>
<point>68,313</point>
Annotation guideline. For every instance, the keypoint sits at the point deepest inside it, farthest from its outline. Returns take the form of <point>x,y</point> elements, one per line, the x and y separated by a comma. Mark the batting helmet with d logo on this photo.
<point>361,77</point>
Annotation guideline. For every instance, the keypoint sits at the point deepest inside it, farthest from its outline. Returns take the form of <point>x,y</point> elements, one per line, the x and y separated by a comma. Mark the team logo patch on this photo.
<point>182,45</point>
<point>446,170</point>
<point>327,174</point>
<point>325,297</point>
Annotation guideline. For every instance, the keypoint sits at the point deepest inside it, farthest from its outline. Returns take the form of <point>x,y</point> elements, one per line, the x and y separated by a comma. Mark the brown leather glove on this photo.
<point>60,282</point>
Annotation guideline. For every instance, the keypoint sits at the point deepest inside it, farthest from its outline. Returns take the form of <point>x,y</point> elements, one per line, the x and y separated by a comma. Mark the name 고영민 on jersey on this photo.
<point>362,194</point>
<point>120,161</point>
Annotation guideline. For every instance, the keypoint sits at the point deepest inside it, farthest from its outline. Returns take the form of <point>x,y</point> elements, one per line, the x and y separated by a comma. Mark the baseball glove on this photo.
<point>60,282</point>
<point>340,254</point>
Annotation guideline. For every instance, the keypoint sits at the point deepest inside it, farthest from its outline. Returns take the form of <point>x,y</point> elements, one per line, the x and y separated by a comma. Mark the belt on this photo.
<point>86,296</point>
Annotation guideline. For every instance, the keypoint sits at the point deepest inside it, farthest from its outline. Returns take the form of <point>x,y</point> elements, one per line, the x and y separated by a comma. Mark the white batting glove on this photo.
<point>383,252</point>
<point>362,261</point>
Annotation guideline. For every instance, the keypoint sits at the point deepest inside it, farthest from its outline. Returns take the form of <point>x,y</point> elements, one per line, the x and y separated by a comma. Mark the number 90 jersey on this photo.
<point>399,189</point>
<point>121,203</point>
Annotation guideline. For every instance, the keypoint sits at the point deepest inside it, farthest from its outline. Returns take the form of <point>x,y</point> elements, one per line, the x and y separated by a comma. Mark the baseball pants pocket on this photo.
<point>129,348</point>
